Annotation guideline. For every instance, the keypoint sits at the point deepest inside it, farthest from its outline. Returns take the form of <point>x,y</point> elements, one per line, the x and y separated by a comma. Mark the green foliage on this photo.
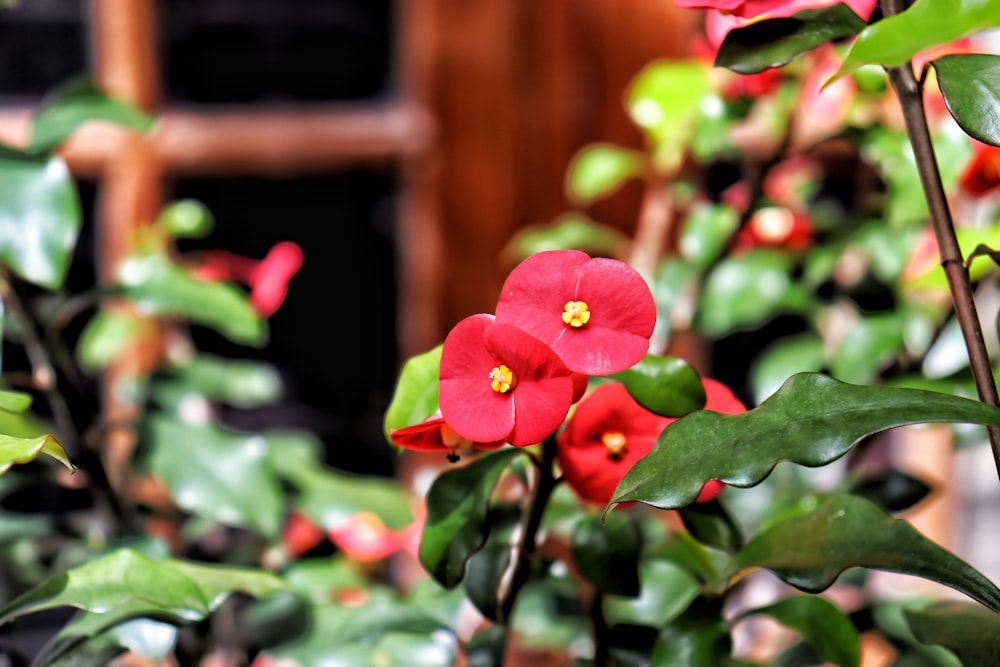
<point>706,230</point>
<point>970,84</point>
<point>607,553</point>
<point>186,219</point>
<point>416,395</point>
<point>820,622</point>
<point>712,525</point>
<point>969,631</point>
<point>599,169</point>
<point>667,386</point>
<point>23,450</point>
<point>572,231</point>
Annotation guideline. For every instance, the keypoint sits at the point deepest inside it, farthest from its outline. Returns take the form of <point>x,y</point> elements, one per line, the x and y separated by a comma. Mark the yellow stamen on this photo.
<point>576,313</point>
<point>502,379</point>
<point>615,444</point>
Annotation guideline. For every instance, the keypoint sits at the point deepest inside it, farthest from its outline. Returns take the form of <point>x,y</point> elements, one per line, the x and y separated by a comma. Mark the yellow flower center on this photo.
<point>502,379</point>
<point>576,313</point>
<point>615,444</point>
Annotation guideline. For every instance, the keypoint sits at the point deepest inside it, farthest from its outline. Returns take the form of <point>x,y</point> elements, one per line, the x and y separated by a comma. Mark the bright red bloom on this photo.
<point>434,435</point>
<point>498,382</point>
<point>267,278</point>
<point>597,314</point>
<point>773,8</point>
<point>776,227</point>
<point>609,432</point>
<point>364,538</point>
<point>982,174</point>
<point>300,535</point>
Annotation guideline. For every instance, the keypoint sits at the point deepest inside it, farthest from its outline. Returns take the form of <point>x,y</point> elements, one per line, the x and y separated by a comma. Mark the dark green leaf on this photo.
<point>573,231</point>
<point>924,25</point>
<point>217,474</point>
<point>607,553</point>
<point>187,219</point>
<point>821,623</point>
<point>971,632</point>
<point>666,591</point>
<point>710,523</point>
<point>74,103</point>
<point>160,287</point>
<point>40,216</point>
<point>699,637</point>
<point>457,505</point>
<point>775,42</point>
<point>416,395</point>
<point>486,567</point>
<point>668,386</point>
<point>893,491</point>
<point>847,531</point>
<point>598,170</point>
<point>970,84</point>
<point>812,420</point>
<point>22,450</point>
<point>487,648</point>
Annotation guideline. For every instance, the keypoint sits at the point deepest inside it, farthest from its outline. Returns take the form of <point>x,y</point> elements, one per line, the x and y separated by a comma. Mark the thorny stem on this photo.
<point>544,486</point>
<point>910,96</point>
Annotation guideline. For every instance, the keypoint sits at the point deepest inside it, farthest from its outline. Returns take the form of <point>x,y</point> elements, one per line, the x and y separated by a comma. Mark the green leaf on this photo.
<point>924,25</point>
<point>598,170</point>
<point>457,505</point>
<point>176,589</point>
<point>710,523</point>
<point>776,42</point>
<point>573,231</point>
<point>970,84</point>
<point>159,287</point>
<point>846,531</point>
<point>971,632</point>
<point>486,568</point>
<point>745,290</point>
<point>668,386</point>
<point>893,491</point>
<point>239,382</point>
<point>665,102</point>
<point>186,219</point>
<point>706,230</point>
<point>107,334</point>
<point>14,401</point>
<point>73,104</point>
<point>666,591</point>
<point>39,216</point>
<point>820,622</point>
<point>217,474</point>
<point>416,395</point>
<point>782,359</point>
<point>607,553</point>
<point>699,637</point>
<point>22,450</point>
<point>872,343</point>
<point>487,648</point>
<point>812,420</point>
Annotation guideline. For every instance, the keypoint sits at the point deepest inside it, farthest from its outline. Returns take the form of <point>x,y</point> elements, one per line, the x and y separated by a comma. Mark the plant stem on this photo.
<point>911,102</point>
<point>599,630</point>
<point>544,486</point>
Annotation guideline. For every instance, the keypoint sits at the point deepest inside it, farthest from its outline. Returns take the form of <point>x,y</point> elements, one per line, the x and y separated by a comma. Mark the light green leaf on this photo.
<point>668,386</point>
<point>75,103</point>
<point>820,622</point>
<point>872,343</point>
<point>107,334</point>
<point>22,450</point>
<point>240,382</point>
<point>416,395</point>
<point>39,216</point>
<point>784,358</point>
<point>14,401</point>
<point>573,231</point>
<point>924,25</point>
<point>706,230</point>
<point>812,420</point>
<point>846,531</point>
<point>666,591</point>
<point>598,170</point>
<point>186,219</point>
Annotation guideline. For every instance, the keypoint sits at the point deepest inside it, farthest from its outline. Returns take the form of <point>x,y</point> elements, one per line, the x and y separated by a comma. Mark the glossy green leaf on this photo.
<point>598,170</point>
<point>457,505</point>
<point>812,420</point>
<point>846,531</point>
<point>893,491</point>
<point>776,42</point>
<point>666,591</point>
<point>39,216</point>
<point>175,589</point>
<point>416,395</point>
<point>22,450</point>
<point>924,25</point>
<point>698,637</point>
<point>706,231</point>
<point>217,474</point>
<point>784,358</point>
<point>668,386</point>
<point>970,631</point>
<point>819,622</point>
<point>160,287</point>
<point>14,401</point>
<point>239,382</point>
<point>871,344</point>
<point>606,553</point>
<point>75,103</point>
<point>665,102</point>
<point>110,628</point>
<point>970,84</point>
<point>890,620</point>
<point>186,219</point>
<point>486,568</point>
<point>108,333</point>
<point>710,523</point>
<point>745,290</point>
<point>573,231</point>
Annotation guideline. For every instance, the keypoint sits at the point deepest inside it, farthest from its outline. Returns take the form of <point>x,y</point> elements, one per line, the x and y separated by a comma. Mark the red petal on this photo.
<point>721,398</point>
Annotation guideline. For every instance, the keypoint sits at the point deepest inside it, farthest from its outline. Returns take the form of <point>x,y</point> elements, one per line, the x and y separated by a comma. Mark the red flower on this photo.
<point>434,435</point>
<point>300,535</point>
<point>776,227</point>
<point>982,174</point>
<point>773,8</point>
<point>610,432</point>
<point>364,538</point>
<point>596,314</point>
<point>267,278</point>
<point>499,383</point>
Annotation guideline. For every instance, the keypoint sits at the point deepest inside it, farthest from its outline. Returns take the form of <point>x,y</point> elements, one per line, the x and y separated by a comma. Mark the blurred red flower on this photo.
<point>982,175</point>
<point>776,227</point>
<point>498,382</point>
<point>610,431</point>
<point>596,314</point>
<point>300,535</point>
<point>267,278</point>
